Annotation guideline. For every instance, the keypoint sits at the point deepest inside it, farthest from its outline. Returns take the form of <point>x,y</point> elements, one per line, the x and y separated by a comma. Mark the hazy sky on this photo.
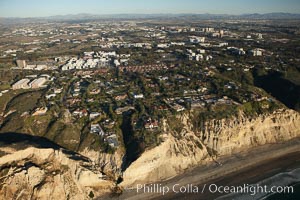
<point>36,8</point>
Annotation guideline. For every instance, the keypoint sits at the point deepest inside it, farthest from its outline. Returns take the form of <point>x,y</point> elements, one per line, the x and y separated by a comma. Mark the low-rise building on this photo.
<point>37,83</point>
<point>21,84</point>
<point>256,52</point>
<point>21,63</point>
<point>138,96</point>
<point>94,115</point>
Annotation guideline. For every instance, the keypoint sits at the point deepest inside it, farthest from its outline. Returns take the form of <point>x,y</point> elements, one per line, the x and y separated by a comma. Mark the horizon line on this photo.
<point>192,13</point>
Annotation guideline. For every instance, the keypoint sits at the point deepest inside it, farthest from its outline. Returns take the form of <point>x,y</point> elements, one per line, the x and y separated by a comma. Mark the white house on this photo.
<point>138,96</point>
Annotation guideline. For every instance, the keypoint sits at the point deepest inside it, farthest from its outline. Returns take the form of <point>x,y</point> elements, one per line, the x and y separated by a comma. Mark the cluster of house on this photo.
<point>241,51</point>
<point>90,73</point>
<point>121,59</point>
<point>144,68</point>
<point>196,39</point>
<point>195,102</point>
<point>143,45</point>
<point>33,31</point>
<point>95,128</point>
<point>77,89</point>
<point>198,55</point>
<point>259,98</point>
<point>84,113</point>
<point>170,44</point>
<point>110,138</point>
<point>96,60</point>
<point>55,91</point>
<point>27,83</point>
<point>75,63</point>
<point>40,67</point>
<point>22,64</point>
<point>174,105</point>
<point>151,124</point>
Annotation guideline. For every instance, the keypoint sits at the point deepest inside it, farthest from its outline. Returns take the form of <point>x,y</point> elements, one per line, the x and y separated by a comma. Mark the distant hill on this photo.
<point>271,16</point>
<point>85,17</point>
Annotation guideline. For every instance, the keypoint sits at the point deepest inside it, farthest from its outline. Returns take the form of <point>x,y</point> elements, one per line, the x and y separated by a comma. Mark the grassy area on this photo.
<point>7,97</point>
<point>20,102</point>
<point>292,75</point>
<point>4,86</point>
<point>25,101</point>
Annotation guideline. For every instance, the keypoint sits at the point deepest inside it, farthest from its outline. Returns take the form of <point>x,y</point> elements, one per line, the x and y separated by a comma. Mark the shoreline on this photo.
<point>249,175</point>
<point>236,169</point>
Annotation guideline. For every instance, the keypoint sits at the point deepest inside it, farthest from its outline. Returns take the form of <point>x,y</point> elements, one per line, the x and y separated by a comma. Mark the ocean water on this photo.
<point>291,178</point>
<point>294,196</point>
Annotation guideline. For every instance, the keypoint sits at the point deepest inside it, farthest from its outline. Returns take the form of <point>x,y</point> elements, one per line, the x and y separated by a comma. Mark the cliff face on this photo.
<point>110,164</point>
<point>188,148</point>
<point>233,135</point>
<point>36,173</point>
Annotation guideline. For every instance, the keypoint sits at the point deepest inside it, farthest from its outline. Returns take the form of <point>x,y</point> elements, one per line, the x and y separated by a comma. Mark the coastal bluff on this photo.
<point>187,149</point>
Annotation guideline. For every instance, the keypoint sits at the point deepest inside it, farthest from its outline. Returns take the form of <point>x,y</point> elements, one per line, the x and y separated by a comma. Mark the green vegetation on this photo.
<point>160,78</point>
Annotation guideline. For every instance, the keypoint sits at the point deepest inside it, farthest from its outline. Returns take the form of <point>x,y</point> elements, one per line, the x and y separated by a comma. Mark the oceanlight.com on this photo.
<point>214,189</point>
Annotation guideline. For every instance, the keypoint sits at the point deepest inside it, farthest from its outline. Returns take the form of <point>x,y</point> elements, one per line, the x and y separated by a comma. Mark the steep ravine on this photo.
<point>281,88</point>
<point>132,145</point>
<point>186,149</point>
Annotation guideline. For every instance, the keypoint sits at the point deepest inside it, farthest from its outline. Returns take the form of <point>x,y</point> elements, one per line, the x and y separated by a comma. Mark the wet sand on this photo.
<point>248,175</point>
<point>244,168</point>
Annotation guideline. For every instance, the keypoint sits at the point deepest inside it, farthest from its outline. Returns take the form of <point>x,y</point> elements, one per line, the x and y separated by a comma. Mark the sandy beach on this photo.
<point>244,168</point>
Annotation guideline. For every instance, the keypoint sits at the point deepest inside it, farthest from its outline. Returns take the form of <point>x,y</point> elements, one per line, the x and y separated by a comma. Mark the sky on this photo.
<point>43,8</point>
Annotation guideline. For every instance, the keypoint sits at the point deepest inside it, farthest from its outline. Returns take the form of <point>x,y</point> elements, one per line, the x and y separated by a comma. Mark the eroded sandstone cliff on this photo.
<point>31,172</point>
<point>180,151</point>
<point>110,164</point>
<point>46,173</point>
